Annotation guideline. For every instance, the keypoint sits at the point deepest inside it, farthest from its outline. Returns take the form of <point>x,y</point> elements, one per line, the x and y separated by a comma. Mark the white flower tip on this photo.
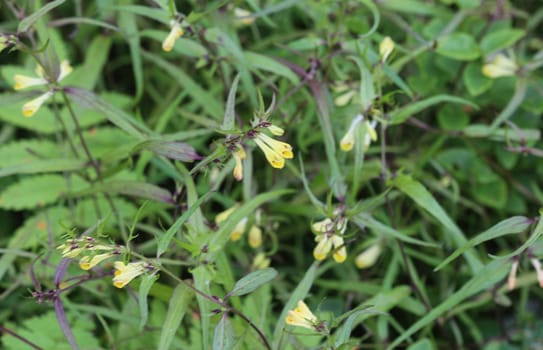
<point>385,48</point>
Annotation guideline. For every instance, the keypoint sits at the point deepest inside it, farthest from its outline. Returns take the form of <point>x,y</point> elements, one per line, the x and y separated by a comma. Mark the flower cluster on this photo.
<point>275,151</point>
<point>329,234</point>
<point>255,232</point>
<point>347,142</point>
<point>92,253</point>
<point>23,81</point>
<point>302,316</point>
<point>500,66</point>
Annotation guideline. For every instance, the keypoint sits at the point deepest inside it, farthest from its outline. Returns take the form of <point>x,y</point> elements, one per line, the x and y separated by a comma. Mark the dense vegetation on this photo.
<point>271,174</point>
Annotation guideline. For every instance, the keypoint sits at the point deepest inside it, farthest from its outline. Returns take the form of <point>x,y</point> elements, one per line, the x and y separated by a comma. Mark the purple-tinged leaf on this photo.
<point>63,322</point>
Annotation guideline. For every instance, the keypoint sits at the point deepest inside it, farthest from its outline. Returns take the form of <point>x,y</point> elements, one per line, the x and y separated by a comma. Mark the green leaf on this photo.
<point>475,81</point>
<point>363,219</point>
<point>91,71</point>
<point>45,331</point>
<point>268,64</point>
<point>173,150</point>
<point>165,239</point>
<point>115,115</point>
<point>179,303</point>
<point>252,281</point>
<point>458,46</point>
<point>28,21</point>
<point>452,117</point>
<point>38,191</point>
<point>23,151</point>
<point>420,195</point>
<point>229,111</point>
<point>380,303</point>
<point>485,278</point>
<point>136,189</point>
<point>400,115</point>
<point>223,337</point>
<point>500,39</point>
<point>423,344</point>
<point>127,22</point>
<point>147,281</point>
<point>492,194</point>
<point>516,224</point>
<point>201,96</point>
<point>413,7</point>
<point>44,166</point>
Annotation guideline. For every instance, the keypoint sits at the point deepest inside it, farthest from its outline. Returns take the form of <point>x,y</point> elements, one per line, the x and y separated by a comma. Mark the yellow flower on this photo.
<point>347,142</point>
<point>239,155</point>
<point>301,316</point>
<point>371,134</point>
<point>385,48</point>
<point>261,262</point>
<point>238,231</point>
<point>537,266</point>
<point>88,262</point>
<point>344,99</point>
<point>31,107</point>
<point>500,66</point>
<point>243,17</point>
<point>71,248</point>
<point>124,273</point>
<point>275,151</point>
<point>275,130</point>
<point>22,82</point>
<point>175,33</point>
<point>327,239</point>
<point>368,257</point>
<point>512,279</point>
<point>255,237</point>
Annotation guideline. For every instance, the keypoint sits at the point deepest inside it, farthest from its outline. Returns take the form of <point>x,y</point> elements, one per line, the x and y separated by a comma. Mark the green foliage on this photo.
<point>271,174</point>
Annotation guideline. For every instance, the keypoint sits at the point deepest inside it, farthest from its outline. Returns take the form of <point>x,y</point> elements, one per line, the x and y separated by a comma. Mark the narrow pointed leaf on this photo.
<point>252,281</point>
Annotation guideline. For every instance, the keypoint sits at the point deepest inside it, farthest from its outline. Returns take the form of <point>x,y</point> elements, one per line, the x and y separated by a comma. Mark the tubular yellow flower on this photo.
<point>347,142</point>
<point>301,316</point>
<point>368,257</point>
<point>65,69</point>
<point>275,151</point>
<point>70,249</point>
<point>344,99</point>
<point>261,261</point>
<point>31,107</point>
<point>124,273</point>
<point>275,130</point>
<point>175,33</point>
<point>371,134</point>
<point>255,237</point>
<point>385,48</point>
<point>238,231</point>
<point>340,252</point>
<point>88,262</point>
<point>500,66</point>
<point>243,17</point>
<point>329,234</point>
<point>22,81</point>
<point>512,279</point>
<point>537,266</point>
<point>239,155</point>
<point>225,214</point>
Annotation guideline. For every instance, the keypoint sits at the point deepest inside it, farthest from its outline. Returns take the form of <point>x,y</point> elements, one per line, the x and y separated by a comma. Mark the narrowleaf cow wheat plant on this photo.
<point>271,174</point>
